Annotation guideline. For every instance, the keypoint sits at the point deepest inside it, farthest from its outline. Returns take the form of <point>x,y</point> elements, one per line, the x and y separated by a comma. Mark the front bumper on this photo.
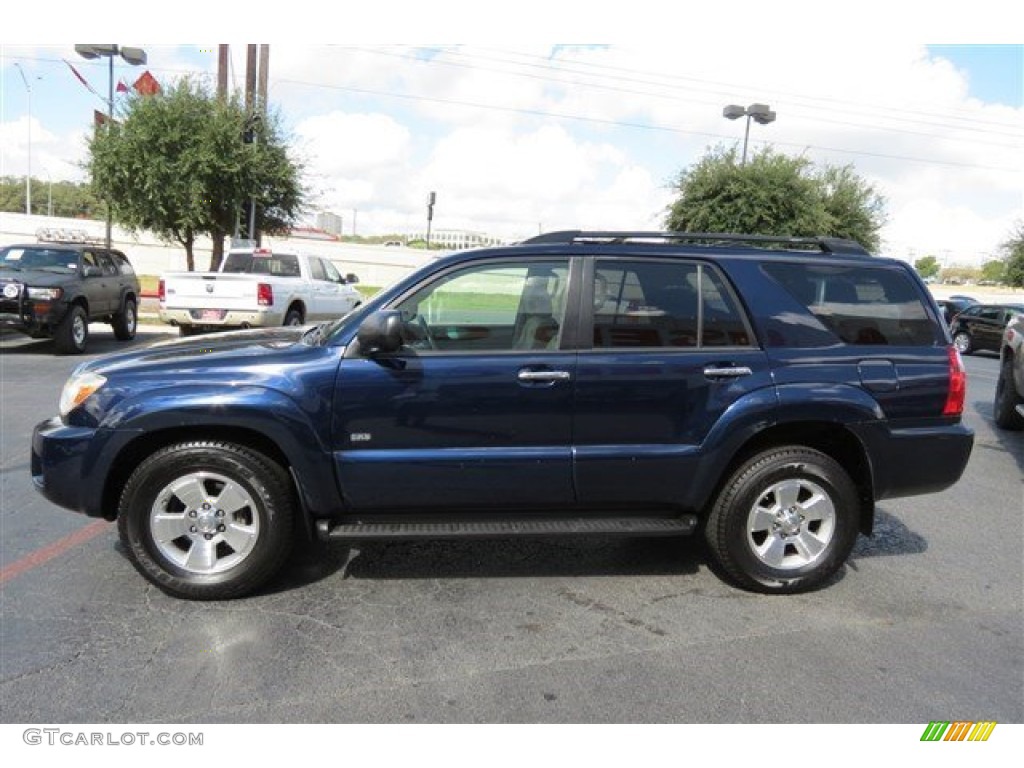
<point>230,318</point>
<point>70,464</point>
<point>35,318</point>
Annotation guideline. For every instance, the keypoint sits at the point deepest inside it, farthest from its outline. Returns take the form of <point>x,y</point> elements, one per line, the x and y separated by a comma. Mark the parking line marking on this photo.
<point>50,551</point>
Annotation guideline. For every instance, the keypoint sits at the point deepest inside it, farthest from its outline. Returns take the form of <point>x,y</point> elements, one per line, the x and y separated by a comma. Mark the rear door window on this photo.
<point>860,305</point>
<point>677,304</point>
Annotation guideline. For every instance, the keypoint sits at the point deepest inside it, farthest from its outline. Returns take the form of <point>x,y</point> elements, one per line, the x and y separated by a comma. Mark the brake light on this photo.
<point>265,294</point>
<point>957,384</point>
<point>161,292</point>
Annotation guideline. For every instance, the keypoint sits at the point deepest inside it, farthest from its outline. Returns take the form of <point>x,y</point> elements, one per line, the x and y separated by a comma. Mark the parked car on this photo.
<point>1009,401</point>
<point>953,306</point>
<point>257,287</point>
<point>764,392</point>
<point>981,326</point>
<point>56,289</point>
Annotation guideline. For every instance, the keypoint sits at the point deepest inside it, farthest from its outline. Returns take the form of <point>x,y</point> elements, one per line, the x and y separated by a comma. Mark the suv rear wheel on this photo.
<point>125,321</point>
<point>785,521</point>
<point>207,520</point>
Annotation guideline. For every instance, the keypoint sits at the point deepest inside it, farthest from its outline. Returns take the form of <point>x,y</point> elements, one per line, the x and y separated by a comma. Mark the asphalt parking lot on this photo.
<point>925,623</point>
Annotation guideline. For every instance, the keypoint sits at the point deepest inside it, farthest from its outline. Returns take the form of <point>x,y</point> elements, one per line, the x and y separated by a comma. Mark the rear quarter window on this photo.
<point>859,305</point>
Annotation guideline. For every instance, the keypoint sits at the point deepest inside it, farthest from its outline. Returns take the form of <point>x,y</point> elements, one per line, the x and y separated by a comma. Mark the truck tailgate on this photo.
<point>212,290</point>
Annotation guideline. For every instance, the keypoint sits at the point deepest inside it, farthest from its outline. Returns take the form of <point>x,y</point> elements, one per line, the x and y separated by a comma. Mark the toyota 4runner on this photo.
<point>57,289</point>
<point>764,392</point>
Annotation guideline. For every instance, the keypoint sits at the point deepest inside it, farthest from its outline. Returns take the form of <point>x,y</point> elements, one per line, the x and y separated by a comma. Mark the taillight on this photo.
<point>957,384</point>
<point>161,292</point>
<point>265,294</point>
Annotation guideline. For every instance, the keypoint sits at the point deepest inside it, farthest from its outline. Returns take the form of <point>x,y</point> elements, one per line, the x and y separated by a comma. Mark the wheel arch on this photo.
<point>830,438</point>
<point>134,453</point>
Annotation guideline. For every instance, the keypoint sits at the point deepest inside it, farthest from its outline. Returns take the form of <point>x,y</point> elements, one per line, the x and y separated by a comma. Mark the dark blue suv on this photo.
<point>763,391</point>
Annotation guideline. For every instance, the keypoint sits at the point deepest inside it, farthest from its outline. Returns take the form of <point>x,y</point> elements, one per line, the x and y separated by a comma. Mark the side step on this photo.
<point>576,526</point>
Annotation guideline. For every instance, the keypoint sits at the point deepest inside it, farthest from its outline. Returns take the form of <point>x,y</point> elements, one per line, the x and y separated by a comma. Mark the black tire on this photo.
<point>72,333</point>
<point>1007,399</point>
<point>962,341</point>
<point>126,321</point>
<point>293,317</point>
<point>219,553</point>
<point>765,546</point>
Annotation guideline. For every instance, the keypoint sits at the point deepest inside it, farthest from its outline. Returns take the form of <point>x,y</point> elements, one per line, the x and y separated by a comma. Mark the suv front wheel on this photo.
<point>207,520</point>
<point>1007,399</point>
<point>72,332</point>
<point>785,521</point>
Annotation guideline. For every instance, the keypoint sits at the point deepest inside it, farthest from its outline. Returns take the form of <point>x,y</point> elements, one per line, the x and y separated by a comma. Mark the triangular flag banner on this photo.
<point>121,87</point>
<point>81,79</point>
<point>146,85</point>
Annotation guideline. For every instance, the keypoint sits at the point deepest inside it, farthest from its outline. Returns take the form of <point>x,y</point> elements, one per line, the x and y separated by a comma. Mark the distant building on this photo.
<point>458,239</point>
<point>329,222</point>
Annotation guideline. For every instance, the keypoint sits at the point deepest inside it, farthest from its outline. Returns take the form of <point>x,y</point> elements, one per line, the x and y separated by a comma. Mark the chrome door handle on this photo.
<point>727,372</point>
<point>534,377</point>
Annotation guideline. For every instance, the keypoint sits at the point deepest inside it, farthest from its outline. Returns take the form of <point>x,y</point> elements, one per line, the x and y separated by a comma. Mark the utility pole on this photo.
<point>222,71</point>
<point>257,76</point>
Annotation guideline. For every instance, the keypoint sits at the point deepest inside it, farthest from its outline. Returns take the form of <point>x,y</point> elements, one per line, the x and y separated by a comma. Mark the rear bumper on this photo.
<point>233,318</point>
<point>914,460</point>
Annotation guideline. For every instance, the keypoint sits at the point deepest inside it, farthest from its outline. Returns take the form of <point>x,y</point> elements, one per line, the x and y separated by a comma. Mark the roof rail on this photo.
<point>824,244</point>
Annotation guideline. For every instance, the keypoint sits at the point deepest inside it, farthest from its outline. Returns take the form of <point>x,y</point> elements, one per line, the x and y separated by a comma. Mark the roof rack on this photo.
<point>824,244</point>
<point>66,236</point>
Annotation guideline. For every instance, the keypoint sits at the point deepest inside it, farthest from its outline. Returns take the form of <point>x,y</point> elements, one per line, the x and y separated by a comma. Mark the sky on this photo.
<point>518,136</point>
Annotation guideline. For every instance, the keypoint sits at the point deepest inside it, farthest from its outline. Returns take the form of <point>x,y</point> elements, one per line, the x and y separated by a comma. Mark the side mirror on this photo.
<point>351,278</point>
<point>381,332</point>
<point>91,271</point>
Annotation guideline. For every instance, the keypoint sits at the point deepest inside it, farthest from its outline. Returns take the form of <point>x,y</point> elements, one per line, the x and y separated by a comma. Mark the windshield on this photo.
<point>51,259</point>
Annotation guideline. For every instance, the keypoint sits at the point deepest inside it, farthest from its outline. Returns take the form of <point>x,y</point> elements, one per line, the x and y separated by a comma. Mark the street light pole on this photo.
<point>761,113</point>
<point>431,199</point>
<point>28,174</point>
<point>135,57</point>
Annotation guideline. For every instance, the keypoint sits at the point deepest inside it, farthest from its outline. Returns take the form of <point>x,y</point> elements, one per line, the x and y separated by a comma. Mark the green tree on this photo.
<point>993,270</point>
<point>178,165</point>
<point>70,199</point>
<point>927,266</point>
<point>775,194</point>
<point>1014,264</point>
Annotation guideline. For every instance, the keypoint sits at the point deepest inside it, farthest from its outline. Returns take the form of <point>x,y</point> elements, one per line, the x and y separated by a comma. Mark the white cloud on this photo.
<point>557,141</point>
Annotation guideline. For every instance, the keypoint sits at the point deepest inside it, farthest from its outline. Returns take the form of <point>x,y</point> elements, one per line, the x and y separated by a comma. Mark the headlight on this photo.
<point>50,294</point>
<point>77,389</point>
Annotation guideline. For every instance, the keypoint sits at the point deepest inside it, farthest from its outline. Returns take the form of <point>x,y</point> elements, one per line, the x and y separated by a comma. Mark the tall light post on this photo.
<point>761,113</point>
<point>28,173</point>
<point>431,199</point>
<point>135,57</point>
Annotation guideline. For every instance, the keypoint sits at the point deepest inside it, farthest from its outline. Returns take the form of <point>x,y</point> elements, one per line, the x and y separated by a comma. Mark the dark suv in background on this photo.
<point>764,392</point>
<point>981,326</point>
<point>57,289</point>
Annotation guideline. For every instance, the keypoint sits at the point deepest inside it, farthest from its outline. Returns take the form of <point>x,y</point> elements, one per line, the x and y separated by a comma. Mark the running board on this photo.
<point>604,526</point>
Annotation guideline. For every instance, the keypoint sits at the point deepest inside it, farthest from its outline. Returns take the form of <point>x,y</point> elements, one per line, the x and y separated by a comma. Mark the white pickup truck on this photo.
<point>257,287</point>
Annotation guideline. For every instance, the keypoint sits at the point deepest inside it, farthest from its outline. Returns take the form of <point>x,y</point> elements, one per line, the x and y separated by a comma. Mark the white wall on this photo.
<point>376,265</point>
